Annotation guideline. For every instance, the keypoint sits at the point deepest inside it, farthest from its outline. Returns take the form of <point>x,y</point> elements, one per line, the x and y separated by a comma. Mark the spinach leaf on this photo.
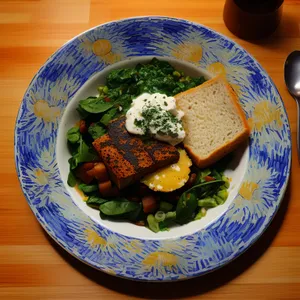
<point>107,117</point>
<point>84,154</point>
<point>73,135</point>
<point>88,188</point>
<point>83,114</point>
<point>95,201</point>
<point>73,162</point>
<point>96,130</point>
<point>137,214</point>
<point>104,216</point>
<point>206,188</point>
<point>117,207</point>
<point>186,207</point>
<point>71,179</point>
<point>134,216</point>
<point>95,105</point>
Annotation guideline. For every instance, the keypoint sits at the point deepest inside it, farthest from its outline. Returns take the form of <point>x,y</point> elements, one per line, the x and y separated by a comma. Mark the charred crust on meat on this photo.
<point>128,158</point>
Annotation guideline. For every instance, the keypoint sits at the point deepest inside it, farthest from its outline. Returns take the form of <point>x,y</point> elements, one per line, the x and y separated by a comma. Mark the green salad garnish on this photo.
<point>209,188</point>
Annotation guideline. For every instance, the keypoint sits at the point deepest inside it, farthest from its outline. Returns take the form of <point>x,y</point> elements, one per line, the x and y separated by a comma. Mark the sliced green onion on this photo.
<point>152,223</point>
<point>207,202</point>
<point>200,214</point>
<point>223,194</point>
<point>226,180</point>
<point>218,199</point>
<point>171,215</point>
<point>100,89</point>
<point>105,89</point>
<point>160,216</point>
<point>203,211</point>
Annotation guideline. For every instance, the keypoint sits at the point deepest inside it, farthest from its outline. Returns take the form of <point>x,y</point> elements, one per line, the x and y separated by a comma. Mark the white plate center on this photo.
<point>235,171</point>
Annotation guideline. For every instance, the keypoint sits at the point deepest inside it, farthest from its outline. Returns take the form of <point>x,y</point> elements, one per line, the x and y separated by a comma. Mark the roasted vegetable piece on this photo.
<point>81,172</point>
<point>106,189</point>
<point>100,172</point>
<point>149,203</point>
<point>209,178</point>
<point>82,127</point>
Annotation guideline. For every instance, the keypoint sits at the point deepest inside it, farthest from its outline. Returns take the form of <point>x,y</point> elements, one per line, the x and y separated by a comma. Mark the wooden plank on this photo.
<point>32,266</point>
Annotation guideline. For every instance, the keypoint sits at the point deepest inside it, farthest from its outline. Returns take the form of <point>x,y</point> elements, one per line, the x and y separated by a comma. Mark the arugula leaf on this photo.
<point>95,105</point>
<point>162,65</point>
<point>73,135</point>
<point>108,116</point>
<point>120,76</point>
<point>206,188</point>
<point>96,130</point>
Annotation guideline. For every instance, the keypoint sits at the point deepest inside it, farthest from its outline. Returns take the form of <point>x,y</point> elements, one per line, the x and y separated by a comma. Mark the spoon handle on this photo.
<point>298,127</point>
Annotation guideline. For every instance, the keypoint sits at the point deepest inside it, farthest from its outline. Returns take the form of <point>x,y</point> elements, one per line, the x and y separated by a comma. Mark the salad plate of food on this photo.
<point>153,148</point>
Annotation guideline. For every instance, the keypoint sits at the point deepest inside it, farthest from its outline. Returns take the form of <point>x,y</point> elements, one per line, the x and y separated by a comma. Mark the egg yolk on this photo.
<point>171,177</point>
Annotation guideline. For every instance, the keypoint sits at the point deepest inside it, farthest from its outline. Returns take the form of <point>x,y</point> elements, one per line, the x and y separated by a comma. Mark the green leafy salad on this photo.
<point>137,203</point>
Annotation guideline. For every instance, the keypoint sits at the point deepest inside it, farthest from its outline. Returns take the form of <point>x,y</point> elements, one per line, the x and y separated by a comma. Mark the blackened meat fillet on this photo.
<point>128,158</point>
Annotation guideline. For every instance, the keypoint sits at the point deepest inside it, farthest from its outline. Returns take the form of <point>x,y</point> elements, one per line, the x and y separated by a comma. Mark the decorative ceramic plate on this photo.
<point>259,173</point>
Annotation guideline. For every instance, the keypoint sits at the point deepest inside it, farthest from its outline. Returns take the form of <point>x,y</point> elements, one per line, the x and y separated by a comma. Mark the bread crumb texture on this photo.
<point>211,119</point>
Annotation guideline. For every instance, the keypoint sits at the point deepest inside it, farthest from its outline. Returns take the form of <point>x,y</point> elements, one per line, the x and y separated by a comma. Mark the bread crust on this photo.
<point>217,154</point>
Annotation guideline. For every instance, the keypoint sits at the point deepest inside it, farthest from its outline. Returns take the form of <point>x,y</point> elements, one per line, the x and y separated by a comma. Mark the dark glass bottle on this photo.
<point>252,19</point>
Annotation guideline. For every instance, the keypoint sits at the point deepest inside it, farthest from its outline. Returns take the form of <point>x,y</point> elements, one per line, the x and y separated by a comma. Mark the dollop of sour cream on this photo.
<point>156,114</point>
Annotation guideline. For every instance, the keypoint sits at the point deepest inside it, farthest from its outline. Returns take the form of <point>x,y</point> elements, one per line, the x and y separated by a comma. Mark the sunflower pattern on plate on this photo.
<point>185,256</point>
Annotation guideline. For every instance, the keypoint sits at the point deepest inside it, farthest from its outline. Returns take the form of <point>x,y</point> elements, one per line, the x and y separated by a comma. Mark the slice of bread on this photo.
<point>214,122</point>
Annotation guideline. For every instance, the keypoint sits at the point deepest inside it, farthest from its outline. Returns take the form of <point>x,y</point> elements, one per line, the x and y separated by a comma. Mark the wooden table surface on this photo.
<point>31,265</point>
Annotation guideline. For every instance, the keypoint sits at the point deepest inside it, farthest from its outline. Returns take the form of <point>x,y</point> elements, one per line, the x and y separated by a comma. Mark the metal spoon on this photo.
<point>292,81</point>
